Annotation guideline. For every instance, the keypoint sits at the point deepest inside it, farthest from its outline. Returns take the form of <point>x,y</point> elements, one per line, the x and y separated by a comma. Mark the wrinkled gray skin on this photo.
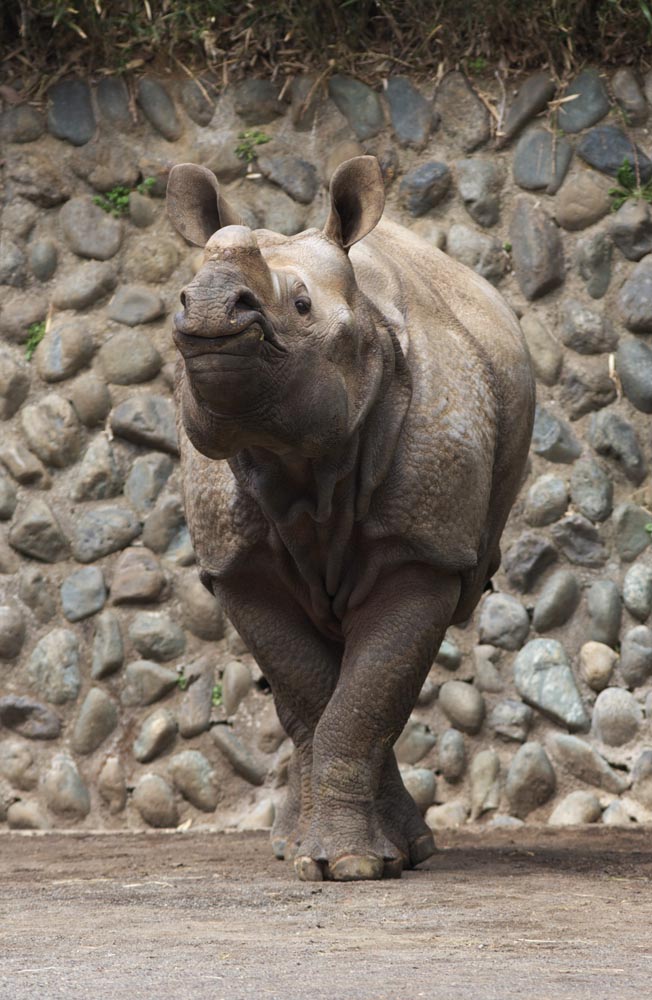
<point>354,428</point>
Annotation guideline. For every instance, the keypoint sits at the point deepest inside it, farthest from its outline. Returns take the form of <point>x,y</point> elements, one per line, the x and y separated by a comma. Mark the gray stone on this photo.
<point>85,285</point>
<point>243,762</point>
<point>270,731</point>
<point>83,593</point>
<point>99,476</point>
<point>53,667</point>
<point>35,591</point>
<point>616,815</point>
<point>23,465</point>
<point>70,114</point>
<point>197,100</point>
<point>154,800</point>
<point>128,357</point>
<point>138,578</point>
<point>7,498</point>
<point>586,331</point>
<point>629,96</point>
<point>150,260</point>
<point>306,100</point>
<point>236,684</point>
<point>36,533</point>
<point>590,102</point>
<point>511,720</point>
<point>503,622</point>
<point>22,123</point>
<point>29,718</point>
<point>12,631</point>
<point>448,816</point>
<point>547,500</point>
<point>579,541</point>
<point>158,107</point>
<point>448,655</point>
<point>113,102</point>
<point>64,791</point>
<point>14,385</point>
<point>295,176</point>
<point>106,165</point>
<point>605,611</point>
<point>612,436</point>
<point>617,717</point>
<point>9,562</point>
<point>202,612</point>
<point>486,674</point>
<point>631,229</point>
<point>593,260</point>
<point>411,113</point>
<point>196,706</point>
<point>544,680</point>
<point>541,161</point>
<point>631,530</point>
<point>156,734</point>
<point>637,591</point>
<point>479,183</point>
<point>581,760</point>
<point>532,98</point>
<point>634,367</point>
<point>557,601</point>
<point>103,530</point>
<point>88,230</point>
<point>635,298</point>
<point>597,662</point>
<point>424,186</point>
<point>135,304</point>
<point>257,101</point>
<point>537,252</point>
<point>65,348</point>
<point>108,651</point>
<point>421,785</point>
<point>155,635</point>
<point>280,213</point>
<point>483,254</point>
<point>452,755</point>
<point>606,148</point>
<point>43,257</point>
<point>147,420</point>
<point>414,743</point>
<point>552,438</point>
<point>91,399</point>
<point>526,559</point>
<point>636,656</point>
<point>583,200</point>
<point>428,230</point>
<point>545,350</point>
<point>165,530</point>
<point>142,210</point>
<point>194,777</point>
<point>642,779</point>
<point>530,780</point>
<point>19,218</point>
<point>17,764</point>
<point>35,177</point>
<point>359,104</point>
<point>464,118</point>
<point>97,719</point>
<point>18,311</point>
<point>484,775</point>
<point>586,390</point>
<point>12,263</point>
<point>463,705</point>
<point>112,786</point>
<point>52,430</point>
<point>146,682</point>
<point>147,477</point>
<point>575,809</point>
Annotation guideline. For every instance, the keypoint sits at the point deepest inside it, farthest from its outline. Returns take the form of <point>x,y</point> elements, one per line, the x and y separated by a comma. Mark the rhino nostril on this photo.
<point>246,301</point>
<point>183,299</point>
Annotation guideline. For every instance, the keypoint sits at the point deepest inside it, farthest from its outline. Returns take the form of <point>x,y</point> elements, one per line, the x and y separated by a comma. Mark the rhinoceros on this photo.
<point>355,410</point>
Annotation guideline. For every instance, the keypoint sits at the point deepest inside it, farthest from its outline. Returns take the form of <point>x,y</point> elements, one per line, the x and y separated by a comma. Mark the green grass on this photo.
<point>629,187</point>
<point>249,140</point>
<point>369,38</point>
<point>36,332</point>
<point>216,695</point>
<point>116,201</point>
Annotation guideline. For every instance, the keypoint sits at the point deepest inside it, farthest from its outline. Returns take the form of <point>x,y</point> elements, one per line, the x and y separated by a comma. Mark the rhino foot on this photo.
<point>351,846</point>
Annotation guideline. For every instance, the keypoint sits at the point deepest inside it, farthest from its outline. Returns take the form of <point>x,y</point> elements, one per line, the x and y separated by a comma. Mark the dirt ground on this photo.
<point>499,914</point>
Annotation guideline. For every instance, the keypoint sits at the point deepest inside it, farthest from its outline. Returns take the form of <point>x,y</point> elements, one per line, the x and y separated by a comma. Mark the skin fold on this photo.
<point>355,411</point>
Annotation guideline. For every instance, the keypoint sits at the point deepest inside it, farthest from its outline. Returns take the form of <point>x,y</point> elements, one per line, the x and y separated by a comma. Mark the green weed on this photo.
<point>216,695</point>
<point>182,681</point>
<point>628,188</point>
<point>477,65</point>
<point>249,140</point>
<point>36,332</point>
<point>116,201</point>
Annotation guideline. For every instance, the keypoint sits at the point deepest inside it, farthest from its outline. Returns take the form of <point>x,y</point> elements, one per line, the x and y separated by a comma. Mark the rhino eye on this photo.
<point>302,306</point>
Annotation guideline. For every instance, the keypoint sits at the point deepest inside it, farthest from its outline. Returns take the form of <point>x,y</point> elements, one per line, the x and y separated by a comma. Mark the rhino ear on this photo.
<point>195,206</point>
<point>357,200</point>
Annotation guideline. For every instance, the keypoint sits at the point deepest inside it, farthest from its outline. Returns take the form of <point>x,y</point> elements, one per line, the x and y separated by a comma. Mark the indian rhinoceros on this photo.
<point>355,411</point>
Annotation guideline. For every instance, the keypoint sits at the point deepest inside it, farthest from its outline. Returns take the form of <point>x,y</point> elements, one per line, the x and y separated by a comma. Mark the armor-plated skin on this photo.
<point>354,425</point>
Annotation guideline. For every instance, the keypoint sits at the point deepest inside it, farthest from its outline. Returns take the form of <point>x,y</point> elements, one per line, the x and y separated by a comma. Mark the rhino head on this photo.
<point>278,346</point>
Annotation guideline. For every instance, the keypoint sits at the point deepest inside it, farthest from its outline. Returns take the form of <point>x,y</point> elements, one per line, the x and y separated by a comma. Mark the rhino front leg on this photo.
<point>390,642</point>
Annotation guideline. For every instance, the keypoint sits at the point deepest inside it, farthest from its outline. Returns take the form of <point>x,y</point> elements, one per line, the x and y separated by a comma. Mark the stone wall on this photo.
<point>125,697</point>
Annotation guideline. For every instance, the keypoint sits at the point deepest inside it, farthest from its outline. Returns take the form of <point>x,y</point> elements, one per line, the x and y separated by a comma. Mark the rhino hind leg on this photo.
<point>287,820</point>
